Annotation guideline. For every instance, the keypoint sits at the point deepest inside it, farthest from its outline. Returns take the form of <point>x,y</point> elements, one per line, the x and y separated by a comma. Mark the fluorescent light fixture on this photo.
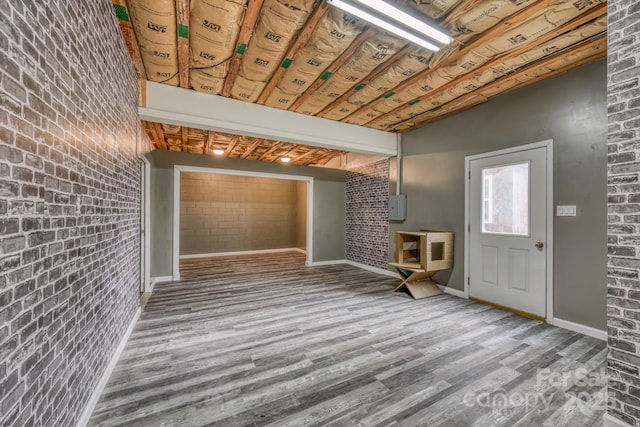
<point>405,19</point>
<point>218,152</point>
<point>285,159</point>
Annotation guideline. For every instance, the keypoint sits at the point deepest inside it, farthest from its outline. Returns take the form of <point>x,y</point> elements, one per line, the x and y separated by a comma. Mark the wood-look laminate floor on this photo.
<point>282,344</point>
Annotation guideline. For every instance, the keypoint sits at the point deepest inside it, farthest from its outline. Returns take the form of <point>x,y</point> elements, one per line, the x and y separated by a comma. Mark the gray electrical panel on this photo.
<point>398,207</point>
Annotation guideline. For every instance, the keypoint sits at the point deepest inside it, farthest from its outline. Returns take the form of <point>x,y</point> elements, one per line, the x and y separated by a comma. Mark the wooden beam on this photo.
<point>231,145</point>
<point>301,41</point>
<point>182,17</point>
<point>331,155</point>
<point>252,147</point>
<point>271,150</point>
<point>532,67</point>
<point>598,55</point>
<point>335,65</point>
<point>184,133</point>
<point>151,132</point>
<point>593,14</point>
<point>462,8</point>
<point>211,136</point>
<point>305,155</point>
<point>377,72</point>
<point>500,28</point>
<point>482,38</point>
<point>293,150</point>
<point>160,133</point>
<point>250,19</point>
<point>124,18</point>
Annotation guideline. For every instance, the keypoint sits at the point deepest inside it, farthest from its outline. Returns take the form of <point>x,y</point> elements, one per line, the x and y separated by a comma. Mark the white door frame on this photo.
<point>146,225</point>
<point>548,144</point>
<point>177,169</point>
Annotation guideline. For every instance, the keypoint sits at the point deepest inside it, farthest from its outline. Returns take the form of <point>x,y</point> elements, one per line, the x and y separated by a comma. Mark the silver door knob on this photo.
<point>539,245</point>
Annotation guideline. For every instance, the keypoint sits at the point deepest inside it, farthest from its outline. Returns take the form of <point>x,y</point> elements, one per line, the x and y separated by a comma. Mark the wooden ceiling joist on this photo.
<point>231,145</point>
<point>190,140</point>
<point>589,16</point>
<point>460,10</point>
<point>301,42</point>
<point>271,150</point>
<point>252,147</point>
<point>421,121</point>
<point>161,138</point>
<point>182,17</point>
<point>501,27</point>
<point>324,160</point>
<point>298,159</point>
<point>290,152</point>
<point>381,69</point>
<point>211,137</point>
<point>249,23</point>
<point>477,66</point>
<point>124,18</point>
<point>359,41</point>
<point>151,132</point>
<point>185,138</point>
<point>481,39</point>
<point>584,46</point>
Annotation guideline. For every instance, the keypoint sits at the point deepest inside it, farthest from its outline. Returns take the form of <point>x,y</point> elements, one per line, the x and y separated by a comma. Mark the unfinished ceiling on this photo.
<point>189,140</point>
<point>308,57</point>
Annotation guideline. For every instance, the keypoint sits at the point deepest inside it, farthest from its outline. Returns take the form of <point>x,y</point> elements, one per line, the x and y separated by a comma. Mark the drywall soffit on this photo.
<point>184,107</point>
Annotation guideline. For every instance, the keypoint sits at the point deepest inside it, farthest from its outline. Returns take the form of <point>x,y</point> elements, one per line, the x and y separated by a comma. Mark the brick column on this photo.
<point>367,239</point>
<point>624,211</point>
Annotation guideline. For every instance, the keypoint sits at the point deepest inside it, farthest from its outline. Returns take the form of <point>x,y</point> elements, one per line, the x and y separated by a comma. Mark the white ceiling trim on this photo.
<point>185,107</point>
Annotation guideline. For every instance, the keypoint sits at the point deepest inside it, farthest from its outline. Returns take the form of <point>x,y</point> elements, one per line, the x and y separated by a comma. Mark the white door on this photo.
<point>508,229</point>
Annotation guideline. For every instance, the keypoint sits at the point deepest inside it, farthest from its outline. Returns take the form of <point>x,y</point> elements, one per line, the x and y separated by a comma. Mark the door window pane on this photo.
<point>505,200</point>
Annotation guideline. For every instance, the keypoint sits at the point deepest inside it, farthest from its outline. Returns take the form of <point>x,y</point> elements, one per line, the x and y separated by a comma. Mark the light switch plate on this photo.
<point>569,210</point>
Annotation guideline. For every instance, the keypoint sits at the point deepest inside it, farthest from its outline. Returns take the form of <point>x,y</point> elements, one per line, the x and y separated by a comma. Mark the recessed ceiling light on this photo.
<point>285,159</point>
<point>218,152</point>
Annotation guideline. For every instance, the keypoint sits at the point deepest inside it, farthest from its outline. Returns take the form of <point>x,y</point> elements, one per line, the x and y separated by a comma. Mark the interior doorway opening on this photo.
<point>223,213</point>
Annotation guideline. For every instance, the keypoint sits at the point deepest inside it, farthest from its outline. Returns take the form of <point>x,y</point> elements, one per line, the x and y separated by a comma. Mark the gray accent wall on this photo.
<point>571,110</point>
<point>328,203</point>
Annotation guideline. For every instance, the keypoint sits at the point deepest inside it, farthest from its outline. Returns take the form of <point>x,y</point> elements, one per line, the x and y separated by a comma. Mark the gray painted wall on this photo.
<point>328,203</point>
<point>570,109</point>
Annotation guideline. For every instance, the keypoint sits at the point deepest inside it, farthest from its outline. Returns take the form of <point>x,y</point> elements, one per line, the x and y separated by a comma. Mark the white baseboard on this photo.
<point>159,279</point>
<point>256,252</point>
<point>610,421</point>
<point>582,329</point>
<point>372,269</point>
<point>452,291</point>
<point>445,289</point>
<point>97,392</point>
<point>321,263</point>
